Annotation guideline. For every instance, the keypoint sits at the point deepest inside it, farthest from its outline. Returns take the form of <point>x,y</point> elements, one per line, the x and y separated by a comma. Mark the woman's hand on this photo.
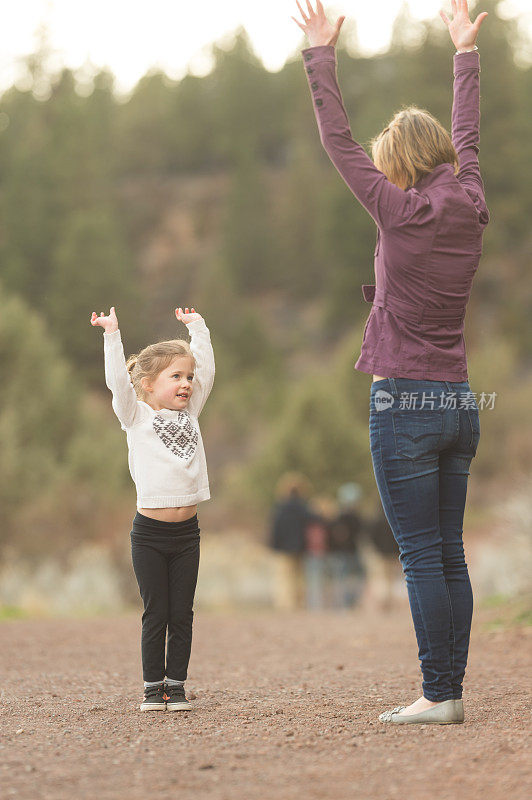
<point>317,27</point>
<point>109,323</point>
<point>463,32</point>
<point>187,316</point>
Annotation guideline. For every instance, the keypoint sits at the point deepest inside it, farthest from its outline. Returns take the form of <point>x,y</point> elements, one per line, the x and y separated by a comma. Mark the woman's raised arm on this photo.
<point>384,201</point>
<point>466,101</point>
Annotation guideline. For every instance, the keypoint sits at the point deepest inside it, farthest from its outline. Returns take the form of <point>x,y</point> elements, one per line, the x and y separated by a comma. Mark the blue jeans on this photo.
<point>421,458</point>
<point>315,580</point>
<point>346,572</point>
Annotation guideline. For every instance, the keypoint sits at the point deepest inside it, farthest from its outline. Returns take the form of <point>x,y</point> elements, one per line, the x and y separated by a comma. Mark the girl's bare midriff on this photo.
<point>378,378</point>
<point>177,514</point>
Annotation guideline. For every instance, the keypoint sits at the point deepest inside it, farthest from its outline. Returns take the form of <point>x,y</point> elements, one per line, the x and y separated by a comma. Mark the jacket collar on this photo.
<point>440,173</point>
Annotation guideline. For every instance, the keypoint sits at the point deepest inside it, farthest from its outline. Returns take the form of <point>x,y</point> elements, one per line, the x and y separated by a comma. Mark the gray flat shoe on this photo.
<point>386,715</point>
<point>446,713</point>
<point>459,707</point>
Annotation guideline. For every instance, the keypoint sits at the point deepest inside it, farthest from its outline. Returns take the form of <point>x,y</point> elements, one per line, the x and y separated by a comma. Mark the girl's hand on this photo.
<point>463,32</point>
<point>109,324</point>
<point>317,27</point>
<point>187,316</point>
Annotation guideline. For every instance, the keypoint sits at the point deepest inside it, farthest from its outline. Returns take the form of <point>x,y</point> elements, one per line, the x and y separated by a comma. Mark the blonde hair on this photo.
<point>412,144</point>
<point>153,359</point>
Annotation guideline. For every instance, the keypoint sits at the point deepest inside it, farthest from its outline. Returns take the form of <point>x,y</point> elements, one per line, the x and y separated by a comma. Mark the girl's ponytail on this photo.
<point>131,363</point>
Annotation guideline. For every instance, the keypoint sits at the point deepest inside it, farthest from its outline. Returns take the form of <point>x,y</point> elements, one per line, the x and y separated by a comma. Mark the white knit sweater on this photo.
<point>166,456</point>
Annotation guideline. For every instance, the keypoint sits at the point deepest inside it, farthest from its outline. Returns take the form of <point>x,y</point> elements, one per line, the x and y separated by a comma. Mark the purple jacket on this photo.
<point>429,237</point>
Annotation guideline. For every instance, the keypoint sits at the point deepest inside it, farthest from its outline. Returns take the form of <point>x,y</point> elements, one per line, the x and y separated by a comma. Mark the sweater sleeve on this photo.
<point>466,127</point>
<point>385,202</point>
<point>200,344</point>
<point>124,402</point>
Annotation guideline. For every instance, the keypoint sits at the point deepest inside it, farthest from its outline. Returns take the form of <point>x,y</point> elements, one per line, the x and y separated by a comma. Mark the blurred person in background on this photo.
<point>387,568</point>
<point>317,535</point>
<point>346,568</point>
<point>290,516</point>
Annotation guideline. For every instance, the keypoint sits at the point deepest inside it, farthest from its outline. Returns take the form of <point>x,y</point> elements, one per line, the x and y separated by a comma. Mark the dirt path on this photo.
<point>286,708</point>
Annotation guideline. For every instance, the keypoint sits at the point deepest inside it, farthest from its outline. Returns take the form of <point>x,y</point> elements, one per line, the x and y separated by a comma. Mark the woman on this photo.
<point>426,195</point>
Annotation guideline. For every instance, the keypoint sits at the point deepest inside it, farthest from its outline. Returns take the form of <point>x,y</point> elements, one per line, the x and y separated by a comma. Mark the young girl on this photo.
<point>426,195</point>
<point>158,396</point>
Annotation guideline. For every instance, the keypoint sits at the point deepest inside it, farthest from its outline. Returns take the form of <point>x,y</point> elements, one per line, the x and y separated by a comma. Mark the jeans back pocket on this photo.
<point>474,423</point>
<point>417,433</point>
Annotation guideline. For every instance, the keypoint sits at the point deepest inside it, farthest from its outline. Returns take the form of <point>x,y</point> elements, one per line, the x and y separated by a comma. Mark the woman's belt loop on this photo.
<point>368,292</point>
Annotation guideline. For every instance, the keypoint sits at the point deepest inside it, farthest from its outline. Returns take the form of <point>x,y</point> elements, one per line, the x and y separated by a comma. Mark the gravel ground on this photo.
<point>286,705</point>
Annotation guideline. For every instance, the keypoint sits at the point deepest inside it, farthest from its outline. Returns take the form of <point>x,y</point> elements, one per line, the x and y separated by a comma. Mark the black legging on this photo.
<point>165,559</point>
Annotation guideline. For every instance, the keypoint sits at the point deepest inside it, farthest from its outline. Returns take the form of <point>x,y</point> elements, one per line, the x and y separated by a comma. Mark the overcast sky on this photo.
<point>130,36</point>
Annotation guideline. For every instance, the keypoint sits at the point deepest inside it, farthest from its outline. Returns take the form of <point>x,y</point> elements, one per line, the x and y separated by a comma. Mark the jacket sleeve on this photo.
<point>200,344</point>
<point>385,202</point>
<point>466,127</point>
<point>118,380</point>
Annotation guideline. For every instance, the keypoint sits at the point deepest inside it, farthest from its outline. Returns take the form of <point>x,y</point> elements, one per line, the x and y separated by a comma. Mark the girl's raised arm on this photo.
<point>117,377</point>
<point>200,344</point>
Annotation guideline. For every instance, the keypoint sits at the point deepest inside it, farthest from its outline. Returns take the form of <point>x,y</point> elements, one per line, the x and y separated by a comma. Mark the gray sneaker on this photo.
<point>153,698</point>
<point>175,698</point>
